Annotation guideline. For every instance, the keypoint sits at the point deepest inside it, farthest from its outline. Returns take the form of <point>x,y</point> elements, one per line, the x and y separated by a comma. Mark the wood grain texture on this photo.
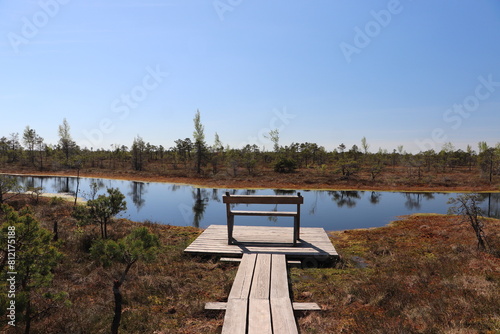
<point>283,320</point>
<point>259,316</point>
<point>259,301</point>
<point>264,213</point>
<point>306,307</point>
<point>264,199</point>
<point>244,276</point>
<point>279,277</point>
<point>314,243</point>
<point>262,277</point>
<point>235,319</point>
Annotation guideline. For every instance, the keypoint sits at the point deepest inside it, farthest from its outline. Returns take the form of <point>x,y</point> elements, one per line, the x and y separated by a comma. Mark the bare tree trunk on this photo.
<point>102,230</point>
<point>27,328</point>
<point>491,167</point>
<point>119,299</point>
<point>55,230</point>
<point>77,185</point>
<point>118,307</point>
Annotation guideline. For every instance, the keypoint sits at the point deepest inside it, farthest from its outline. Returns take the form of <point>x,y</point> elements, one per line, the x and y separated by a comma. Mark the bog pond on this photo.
<point>185,205</point>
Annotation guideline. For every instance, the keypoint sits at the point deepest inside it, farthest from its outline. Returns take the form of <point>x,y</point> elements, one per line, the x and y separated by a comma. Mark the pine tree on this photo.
<point>199,141</point>
<point>35,258</point>
<point>139,245</point>
<point>105,207</point>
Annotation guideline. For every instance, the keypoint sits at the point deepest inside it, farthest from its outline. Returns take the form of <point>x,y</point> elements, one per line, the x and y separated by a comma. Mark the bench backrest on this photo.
<point>262,199</point>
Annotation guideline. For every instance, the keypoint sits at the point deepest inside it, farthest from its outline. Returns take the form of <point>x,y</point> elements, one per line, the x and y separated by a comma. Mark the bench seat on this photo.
<point>264,213</point>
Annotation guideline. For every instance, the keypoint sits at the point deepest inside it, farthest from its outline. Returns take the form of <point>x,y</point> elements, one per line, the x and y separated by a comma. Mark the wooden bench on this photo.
<point>259,301</point>
<point>251,199</point>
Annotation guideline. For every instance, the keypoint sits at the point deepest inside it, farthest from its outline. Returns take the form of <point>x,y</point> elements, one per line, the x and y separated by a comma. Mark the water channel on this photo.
<point>185,205</point>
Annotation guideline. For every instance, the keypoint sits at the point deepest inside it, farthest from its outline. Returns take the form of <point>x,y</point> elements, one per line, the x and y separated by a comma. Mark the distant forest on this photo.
<point>192,156</point>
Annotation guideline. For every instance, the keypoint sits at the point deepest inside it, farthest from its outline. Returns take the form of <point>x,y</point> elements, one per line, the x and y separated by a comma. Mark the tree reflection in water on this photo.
<point>414,200</point>
<point>215,195</point>
<point>94,186</point>
<point>284,192</point>
<point>201,199</point>
<point>280,192</point>
<point>491,206</point>
<point>64,185</point>
<point>346,198</point>
<point>314,204</point>
<point>375,197</point>
<point>137,191</point>
<point>175,187</point>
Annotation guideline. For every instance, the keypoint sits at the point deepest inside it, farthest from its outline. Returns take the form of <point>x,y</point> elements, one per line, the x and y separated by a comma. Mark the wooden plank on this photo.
<point>279,278</point>
<point>230,259</point>
<point>264,213</point>
<point>259,316</point>
<point>306,307</point>
<point>243,278</point>
<point>281,305</point>
<point>297,306</point>
<point>262,277</point>
<point>294,263</point>
<point>235,319</point>
<point>282,316</point>
<point>263,199</point>
<point>216,306</point>
<point>259,307</point>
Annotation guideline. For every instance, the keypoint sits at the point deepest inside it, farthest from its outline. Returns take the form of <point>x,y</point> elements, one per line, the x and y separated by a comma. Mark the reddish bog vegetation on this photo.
<point>422,274</point>
<point>390,179</point>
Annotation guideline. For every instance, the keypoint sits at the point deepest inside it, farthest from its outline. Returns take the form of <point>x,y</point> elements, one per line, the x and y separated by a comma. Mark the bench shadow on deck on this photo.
<point>313,243</point>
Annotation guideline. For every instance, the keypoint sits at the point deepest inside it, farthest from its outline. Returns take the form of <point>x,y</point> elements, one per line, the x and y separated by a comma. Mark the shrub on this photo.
<point>285,165</point>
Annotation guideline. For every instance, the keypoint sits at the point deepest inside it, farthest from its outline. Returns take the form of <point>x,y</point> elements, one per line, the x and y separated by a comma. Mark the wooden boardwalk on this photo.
<point>314,242</point>
<point>259,301</point>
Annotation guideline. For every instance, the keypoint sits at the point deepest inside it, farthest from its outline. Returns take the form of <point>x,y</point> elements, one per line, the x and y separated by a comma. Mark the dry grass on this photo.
<point>421,274</point>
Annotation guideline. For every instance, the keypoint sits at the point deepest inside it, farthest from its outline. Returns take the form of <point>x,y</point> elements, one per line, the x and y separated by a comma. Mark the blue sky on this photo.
<point>411,73</point>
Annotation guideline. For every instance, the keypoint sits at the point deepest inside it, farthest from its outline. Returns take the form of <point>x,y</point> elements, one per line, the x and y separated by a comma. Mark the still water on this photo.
<point>185,205</point>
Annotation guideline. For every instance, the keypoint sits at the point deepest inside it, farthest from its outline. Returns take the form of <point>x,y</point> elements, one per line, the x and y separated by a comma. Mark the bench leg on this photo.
<point>296,230</point>
<point>230,225</point>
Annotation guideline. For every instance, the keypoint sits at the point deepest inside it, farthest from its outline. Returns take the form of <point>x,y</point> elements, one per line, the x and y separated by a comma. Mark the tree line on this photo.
<point>194,154</point>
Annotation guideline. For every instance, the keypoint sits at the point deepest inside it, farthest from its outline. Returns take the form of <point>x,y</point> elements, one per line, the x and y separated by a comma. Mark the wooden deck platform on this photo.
<point>314,242</point>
